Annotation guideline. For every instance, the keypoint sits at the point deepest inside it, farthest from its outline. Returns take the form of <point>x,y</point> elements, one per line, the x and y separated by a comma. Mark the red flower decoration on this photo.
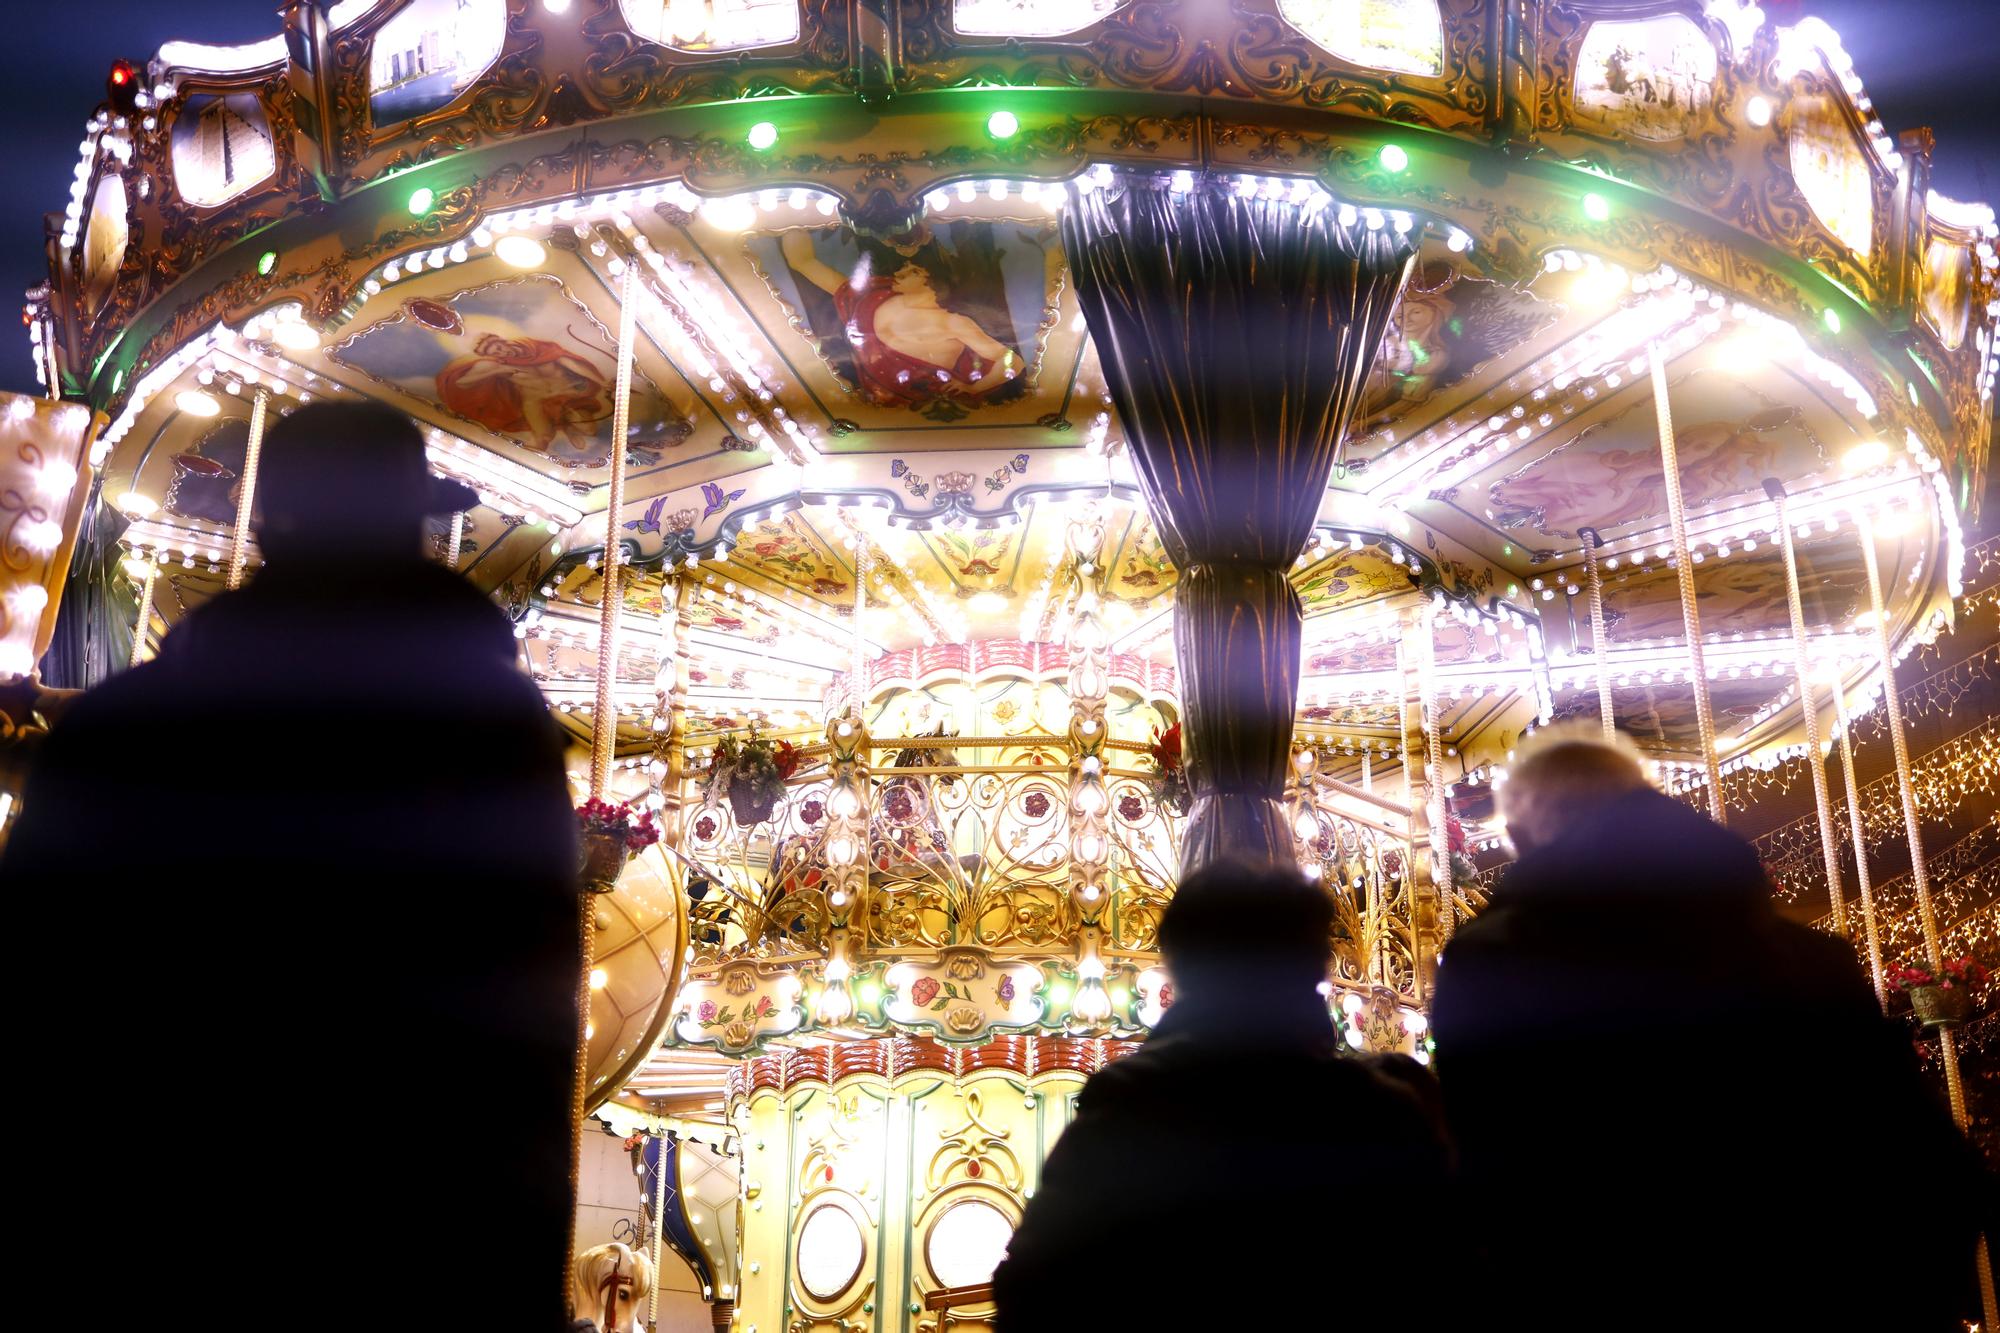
<point>899,805</point>
<point>1166,749</point>
<point>923,990</point>
<point>704,828</point>
<point>1131,807</point>
<point>1036,804</point>
<point>786,759</point>
<point>706,1014</point>
<point>813,810</point>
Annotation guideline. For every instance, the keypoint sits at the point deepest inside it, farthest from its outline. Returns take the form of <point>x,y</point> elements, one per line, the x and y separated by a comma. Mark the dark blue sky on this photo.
<point>1926,62</point>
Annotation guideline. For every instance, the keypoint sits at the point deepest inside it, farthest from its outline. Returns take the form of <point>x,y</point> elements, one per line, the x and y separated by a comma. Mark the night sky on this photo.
<point>1925,62</point>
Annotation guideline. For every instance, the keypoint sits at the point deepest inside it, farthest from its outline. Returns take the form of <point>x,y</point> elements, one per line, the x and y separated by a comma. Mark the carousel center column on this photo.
<point>1236,332</point>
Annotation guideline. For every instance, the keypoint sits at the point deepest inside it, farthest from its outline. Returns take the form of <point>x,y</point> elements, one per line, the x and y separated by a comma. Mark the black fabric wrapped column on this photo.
<point>1236,335</point>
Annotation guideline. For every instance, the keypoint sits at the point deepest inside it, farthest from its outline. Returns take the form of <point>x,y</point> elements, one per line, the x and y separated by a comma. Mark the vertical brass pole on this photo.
<point>1591,542</point>
<point>1919,873</point>
<point>1704,716</point>
<point>140,630</point>
<point>246,495</point>
<point>603,747</point>
<point>455,543</point>
<point>1858,831</point>
<point>1802,665</point>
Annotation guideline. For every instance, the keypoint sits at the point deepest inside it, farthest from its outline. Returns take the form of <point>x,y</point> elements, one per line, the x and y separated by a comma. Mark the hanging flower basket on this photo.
<point>1941,1001</point>
<point>750,803</point>
<point>610,836</point>
<point>1941,1006</point>
<point>1169,783</point>
<point>751,773</point>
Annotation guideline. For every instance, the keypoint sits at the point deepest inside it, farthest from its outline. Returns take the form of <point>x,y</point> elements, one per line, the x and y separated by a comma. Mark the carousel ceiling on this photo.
<point>864,404</point>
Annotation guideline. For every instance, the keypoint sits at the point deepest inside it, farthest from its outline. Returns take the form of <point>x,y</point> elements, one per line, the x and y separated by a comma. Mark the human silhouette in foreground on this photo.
<point>1237,1171</point>
<point>314,869</point>
<point>1673,1108</point>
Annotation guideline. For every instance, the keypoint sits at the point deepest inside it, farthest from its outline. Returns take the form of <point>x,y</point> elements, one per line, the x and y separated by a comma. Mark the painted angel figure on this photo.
<point>908,348</point>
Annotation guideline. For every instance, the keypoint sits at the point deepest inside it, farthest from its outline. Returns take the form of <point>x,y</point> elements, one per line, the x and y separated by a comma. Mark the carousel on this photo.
<point>905,500</point>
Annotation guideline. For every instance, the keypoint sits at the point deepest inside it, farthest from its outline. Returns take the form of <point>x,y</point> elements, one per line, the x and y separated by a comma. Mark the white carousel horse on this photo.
<point>610,1284</point>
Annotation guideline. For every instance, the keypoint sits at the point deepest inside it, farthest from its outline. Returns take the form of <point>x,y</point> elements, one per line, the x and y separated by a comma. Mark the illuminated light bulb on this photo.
<point>520,251</point>
<point>1831,318</point>
<point>266,262</point>
<point>763,136</point>
<point>599,978</point>
<point>197,404</point>
<point>421,200</point>
<point>1596,207</point>
<point>1393,158</point>
<point>296,335</point>
<point>1864,457</point>
<point>1092,1004</point>
<point>1758,111</point>
<point>135,566</point>
<point>1003,124</point>
<point>732,213</point>
<point>1351,1003</point>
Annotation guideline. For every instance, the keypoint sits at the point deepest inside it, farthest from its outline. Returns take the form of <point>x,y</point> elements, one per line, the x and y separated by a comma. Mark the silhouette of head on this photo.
<point>347,481</point>
<point>1240,931</point>
<point>1564,777</point>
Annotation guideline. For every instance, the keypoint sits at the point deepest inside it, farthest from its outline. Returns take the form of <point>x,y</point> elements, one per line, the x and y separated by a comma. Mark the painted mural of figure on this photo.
<point>1614,485</point>
<point>515,384</point>
<point>908,348</point>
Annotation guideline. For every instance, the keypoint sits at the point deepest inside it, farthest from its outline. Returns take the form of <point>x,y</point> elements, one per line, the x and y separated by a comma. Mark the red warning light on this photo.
<point>121,86</point>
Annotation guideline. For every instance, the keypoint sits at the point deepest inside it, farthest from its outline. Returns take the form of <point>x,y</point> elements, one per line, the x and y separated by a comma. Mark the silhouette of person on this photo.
<point>1673,1108</point>
<point>314,868</point>
<point>1202,1183</point>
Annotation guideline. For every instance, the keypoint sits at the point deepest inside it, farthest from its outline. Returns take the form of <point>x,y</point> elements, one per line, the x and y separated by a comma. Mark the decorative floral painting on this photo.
<point>790,551</point>
<point>945,325</point>
<point>1742,592</point>
<point>1349,578</point>
<point>1142,570</point>
<point>525,360</point>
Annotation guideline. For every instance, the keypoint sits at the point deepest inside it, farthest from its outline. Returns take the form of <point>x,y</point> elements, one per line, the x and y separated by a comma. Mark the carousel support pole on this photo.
<point>1704,715</point>
<point>1859,834</point>
<point>139,630</point>
<point>454,543</point>
<point>1829,846</point>
<point>603,743</point>
<point>659,1225</point>
<point>1591,542</point>
<point>1420,889</point>
<point>1438,807</point>
<point>857,687</point>
<point>1919,874</point>
<point>246,496</point>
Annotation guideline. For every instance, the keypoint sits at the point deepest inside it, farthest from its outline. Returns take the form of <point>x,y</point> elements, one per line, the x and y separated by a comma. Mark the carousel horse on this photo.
<point>610,1283</point>
<point>904,833</point>
<point>906,827</point>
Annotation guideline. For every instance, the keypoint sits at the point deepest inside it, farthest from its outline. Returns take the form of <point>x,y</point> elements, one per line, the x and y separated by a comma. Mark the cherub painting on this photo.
<point>525,360</point>
<point>956,317</point>
<point>1610,475</point>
